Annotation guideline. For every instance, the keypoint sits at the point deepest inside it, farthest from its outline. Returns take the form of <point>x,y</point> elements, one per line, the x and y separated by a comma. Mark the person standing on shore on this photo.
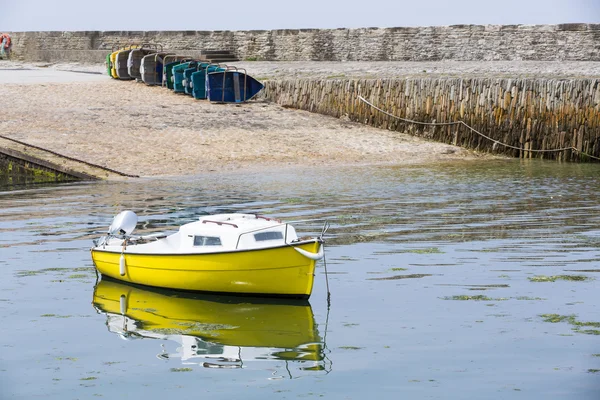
<point>5,45</point>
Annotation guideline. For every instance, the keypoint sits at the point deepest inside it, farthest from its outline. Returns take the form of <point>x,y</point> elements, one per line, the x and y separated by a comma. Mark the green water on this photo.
<point>460,280</point>
<point>16,176</point>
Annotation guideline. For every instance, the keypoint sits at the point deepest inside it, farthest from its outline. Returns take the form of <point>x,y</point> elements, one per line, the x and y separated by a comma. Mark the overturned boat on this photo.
<point>178,75</point>
<point>244,254</point>
<point>231,86</point>
<point>121,64</point>
<point>116,62</point>
<point>134,60</point>
<point>198,80</point>
<point>169,61</point>
<point>111,61</point>
<point>151,68</point>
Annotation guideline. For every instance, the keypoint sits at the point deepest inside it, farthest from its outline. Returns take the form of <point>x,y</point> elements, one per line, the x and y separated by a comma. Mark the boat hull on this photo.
<point>168,73</point>
<point>108,65</point>
<point>279,271</point>
<point>232,87</point>
<point>121,66</point>
<point>113,64</point>
<point>134,62</point>
<point>187,78</point>
<point>151,68</point>
<point>199,81</point>
<point>178,76</point>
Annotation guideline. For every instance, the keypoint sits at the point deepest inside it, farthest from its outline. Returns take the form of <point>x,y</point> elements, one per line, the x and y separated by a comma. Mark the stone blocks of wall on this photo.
<point>527,114</point>
<point>569,42</point>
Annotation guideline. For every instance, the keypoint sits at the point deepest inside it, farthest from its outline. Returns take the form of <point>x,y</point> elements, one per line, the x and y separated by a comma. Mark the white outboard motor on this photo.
<point>123,224</point>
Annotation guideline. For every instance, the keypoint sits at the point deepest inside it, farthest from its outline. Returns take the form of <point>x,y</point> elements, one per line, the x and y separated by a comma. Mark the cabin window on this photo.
<point>207,241</point>
<point>262,236</point>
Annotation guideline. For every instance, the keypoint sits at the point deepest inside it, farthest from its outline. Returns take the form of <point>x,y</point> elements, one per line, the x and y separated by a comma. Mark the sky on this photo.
<point>89,15</point>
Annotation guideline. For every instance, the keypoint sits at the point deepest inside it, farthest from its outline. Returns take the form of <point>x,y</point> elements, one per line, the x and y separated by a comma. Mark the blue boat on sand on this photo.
<point>199,80</point>
<point>169,62</point>
<point>178,78</point>
<point>231,86</point>
<point>187,76</point>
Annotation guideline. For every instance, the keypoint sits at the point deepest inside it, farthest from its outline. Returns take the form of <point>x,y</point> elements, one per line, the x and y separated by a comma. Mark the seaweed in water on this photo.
<point>478,297</point>
<point>395,277</point>
<point>572,319</point>
<point>543,278</point>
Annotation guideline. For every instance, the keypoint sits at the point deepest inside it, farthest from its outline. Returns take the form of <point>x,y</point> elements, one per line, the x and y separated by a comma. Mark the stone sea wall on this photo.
<point>527,114</point>
<point>569,42</point>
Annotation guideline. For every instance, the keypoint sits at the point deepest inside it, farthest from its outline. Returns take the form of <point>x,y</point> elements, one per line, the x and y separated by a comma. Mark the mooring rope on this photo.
<point>71,158</point>
<point>473,130</point>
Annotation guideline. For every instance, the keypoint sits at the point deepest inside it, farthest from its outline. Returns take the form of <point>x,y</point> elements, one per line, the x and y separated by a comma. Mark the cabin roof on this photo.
<point>224,224</point>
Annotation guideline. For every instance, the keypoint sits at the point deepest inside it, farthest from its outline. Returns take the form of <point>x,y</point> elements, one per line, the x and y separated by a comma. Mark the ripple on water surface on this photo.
<point>455,280</point>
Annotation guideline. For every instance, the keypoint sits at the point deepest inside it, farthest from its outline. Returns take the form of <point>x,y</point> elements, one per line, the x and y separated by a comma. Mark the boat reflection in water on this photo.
<point>215,331</point>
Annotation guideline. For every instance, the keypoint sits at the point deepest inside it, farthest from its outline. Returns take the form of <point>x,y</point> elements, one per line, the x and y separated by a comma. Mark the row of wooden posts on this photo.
<point>529,114</point>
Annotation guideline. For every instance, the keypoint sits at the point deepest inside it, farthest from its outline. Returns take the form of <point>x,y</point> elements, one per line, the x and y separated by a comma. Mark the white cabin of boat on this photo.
<point>213,234</point>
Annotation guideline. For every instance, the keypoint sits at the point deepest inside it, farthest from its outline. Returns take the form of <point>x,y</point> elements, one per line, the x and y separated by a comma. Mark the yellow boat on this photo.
<point>213,331</point>
<point>112,58</point>
<point>113,65</point>
<point>226,253</point>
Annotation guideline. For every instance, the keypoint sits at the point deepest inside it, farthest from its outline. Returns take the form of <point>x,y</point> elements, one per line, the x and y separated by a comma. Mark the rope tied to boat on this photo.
<point>326,280</point>
<point>460,122</point>
<point>326,226</point>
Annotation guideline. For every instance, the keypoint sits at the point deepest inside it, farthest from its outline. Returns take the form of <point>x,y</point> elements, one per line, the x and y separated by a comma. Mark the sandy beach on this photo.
<point>151,131</point>
<point>78,111</point>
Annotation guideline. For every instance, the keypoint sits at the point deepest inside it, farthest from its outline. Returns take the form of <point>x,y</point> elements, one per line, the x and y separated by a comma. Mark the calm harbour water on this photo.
<point>438,278</point>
